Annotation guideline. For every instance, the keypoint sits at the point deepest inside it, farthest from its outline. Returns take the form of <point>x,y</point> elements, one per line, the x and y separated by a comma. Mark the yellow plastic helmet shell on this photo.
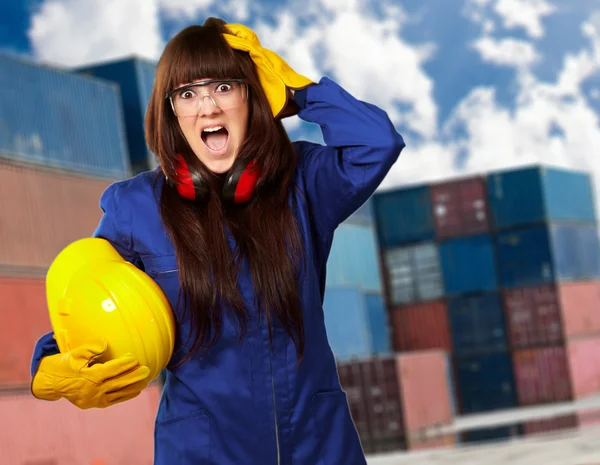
<point>94,293</point>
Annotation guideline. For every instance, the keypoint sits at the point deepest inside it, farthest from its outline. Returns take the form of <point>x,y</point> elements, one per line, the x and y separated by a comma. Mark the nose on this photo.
<point>207,107</point>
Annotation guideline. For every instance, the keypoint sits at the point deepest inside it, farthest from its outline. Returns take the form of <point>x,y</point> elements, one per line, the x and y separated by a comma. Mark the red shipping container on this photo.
<point>42,212</point>
<point>542,375</point>
<point>548,425</point>
<point>58,433</point>
<point>352,382</point>
<point>460,207</point>
<point>560,373</point>
<point>421,326</point>
<point>548,314</point>
<point>25,316</point>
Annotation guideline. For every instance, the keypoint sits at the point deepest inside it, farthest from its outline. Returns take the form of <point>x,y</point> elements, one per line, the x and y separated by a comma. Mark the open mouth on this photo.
<point>215,138</point>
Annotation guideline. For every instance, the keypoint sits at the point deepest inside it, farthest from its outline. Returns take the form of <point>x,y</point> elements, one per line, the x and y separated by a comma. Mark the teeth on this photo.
<point>216,128</point>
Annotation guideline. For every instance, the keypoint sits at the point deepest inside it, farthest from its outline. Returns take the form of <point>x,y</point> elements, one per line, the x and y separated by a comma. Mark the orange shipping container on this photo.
<point>25,316</point>
<point>59,433</point>
<point>43,211</point>
<point>421,326</point>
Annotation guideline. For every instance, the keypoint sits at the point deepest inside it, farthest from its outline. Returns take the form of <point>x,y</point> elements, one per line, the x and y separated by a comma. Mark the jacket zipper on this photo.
<point>275,410</point>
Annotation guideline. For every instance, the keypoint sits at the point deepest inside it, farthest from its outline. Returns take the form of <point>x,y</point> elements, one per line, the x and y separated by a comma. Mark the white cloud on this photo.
<point>72,33</point>
<point>184,9</point>
<point>506,52</point>
<point>527,14</point>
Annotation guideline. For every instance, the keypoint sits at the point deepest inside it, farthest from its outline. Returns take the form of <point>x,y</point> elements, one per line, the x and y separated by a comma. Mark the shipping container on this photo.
<point>550,313</point>
<point>63,120</point>
<point>468,265</point>
<point>412,274</point>
<point>353,260</point>
<point>363,216</point>
<point>543,254</point>
<point>485,382</point>
<point>548,425</point>
<point>58,433</point>
<point>135,78</point>
<point>34,228</point>
<point>421,326</point>
<point>355,323</point>
<point>540,194</point>
<point>477,324</point>
<point>378,323</point>
<point>583,355</point>
<point>542,375</point>
<point>25,317</point>
<point>460,208</point>
<point>395,400</point>
<point>403,216</point>
<point>492,434</point>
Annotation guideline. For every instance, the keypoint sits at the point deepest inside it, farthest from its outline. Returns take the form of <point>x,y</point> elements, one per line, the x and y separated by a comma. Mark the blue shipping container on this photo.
<point>485,382</point>
<point>468,265</point>
<point>477,324</point>
<point>538,194</point>
<point>378,324</point>
<point>362,216</point>
<point>354,324</point>
<point>61,120</point>
<point>135,77</point>
<point>353,260</point>
<point>543,254</point>
<point>403,216</point>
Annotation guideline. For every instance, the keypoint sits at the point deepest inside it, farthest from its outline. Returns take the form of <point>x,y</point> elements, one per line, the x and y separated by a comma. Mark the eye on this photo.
<point>224,87</point>
<point>186,94</point>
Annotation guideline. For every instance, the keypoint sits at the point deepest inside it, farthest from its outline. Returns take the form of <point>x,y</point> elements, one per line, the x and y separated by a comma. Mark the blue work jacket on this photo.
<point>243,403</point>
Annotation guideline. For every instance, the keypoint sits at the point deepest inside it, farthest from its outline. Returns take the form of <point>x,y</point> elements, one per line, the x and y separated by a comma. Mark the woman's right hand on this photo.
<point>73,376</point>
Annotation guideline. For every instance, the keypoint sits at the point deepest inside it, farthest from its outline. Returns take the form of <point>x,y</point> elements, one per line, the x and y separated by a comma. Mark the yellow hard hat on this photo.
<point>94,293</point>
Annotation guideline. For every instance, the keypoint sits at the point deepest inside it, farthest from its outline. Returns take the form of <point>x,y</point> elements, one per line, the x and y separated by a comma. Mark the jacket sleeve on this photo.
<point>109,228</point>
<point>361,145</point>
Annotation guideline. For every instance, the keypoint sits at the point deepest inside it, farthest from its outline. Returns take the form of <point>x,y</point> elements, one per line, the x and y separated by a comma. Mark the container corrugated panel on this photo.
<point>346,322</point>
<point>583,356</point>
<point>25,316</point>
<point>351,380</point>
<point>485,382</point>
<point>542,375</point>
<point>536,194</point>
<point>378,324</point>
<point>426,390</point>
<point>541,254</point>
<point>576,251</point>
<point>57,433</point>
<point>580,304</point>
<point>477,324</point>
<point>61,120</point>
<point>42,212</point>
<point>421,327</point>
<point>413,274</point>
<point>135,78</point>
<point>558,423</point>
<point>533,316</point>
<point>460,208</point>
<point>468,265</point>
<point>353,260</point>
<point>403,216</point>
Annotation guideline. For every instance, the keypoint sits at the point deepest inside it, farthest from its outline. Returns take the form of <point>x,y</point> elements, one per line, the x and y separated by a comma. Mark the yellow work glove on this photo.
<point>276,76</point>
<point>73,376</point>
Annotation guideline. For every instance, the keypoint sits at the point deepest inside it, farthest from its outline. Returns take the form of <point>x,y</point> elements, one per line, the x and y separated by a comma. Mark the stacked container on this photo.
<point>354,307</point>
<point>62,142</point>
<point>395,400</point>
<point>549,269</point>
<point>503,272</point>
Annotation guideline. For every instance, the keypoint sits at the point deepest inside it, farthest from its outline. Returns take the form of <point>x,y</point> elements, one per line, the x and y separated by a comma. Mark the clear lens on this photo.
<point>188,100</point>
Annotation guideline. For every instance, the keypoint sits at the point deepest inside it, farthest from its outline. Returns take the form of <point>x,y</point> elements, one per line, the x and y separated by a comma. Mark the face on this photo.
<point>214,133</point>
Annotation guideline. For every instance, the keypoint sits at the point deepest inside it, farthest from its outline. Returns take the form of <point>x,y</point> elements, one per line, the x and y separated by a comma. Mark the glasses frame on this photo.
<point>169,95</point>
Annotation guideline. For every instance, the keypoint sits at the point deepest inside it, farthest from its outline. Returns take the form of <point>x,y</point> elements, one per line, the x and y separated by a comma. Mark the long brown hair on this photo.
<point>265,229</point>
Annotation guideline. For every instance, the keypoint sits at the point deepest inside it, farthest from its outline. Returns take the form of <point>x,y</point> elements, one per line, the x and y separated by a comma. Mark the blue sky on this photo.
<point>473,85</point>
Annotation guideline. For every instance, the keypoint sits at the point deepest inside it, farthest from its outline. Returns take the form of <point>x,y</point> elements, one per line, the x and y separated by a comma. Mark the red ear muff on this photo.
<point>189,183</point>
<point>239,186</point>
<point>241,182</point>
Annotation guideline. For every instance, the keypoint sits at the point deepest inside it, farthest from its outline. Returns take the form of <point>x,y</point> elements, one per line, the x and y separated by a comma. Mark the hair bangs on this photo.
<point>200,54</point>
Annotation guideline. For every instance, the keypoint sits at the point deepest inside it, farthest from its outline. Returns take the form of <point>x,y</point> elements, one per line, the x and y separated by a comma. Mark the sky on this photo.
<point>472,85</point>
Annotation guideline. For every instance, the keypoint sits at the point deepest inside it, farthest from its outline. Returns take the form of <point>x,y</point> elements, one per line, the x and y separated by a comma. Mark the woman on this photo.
<point>245,237</point>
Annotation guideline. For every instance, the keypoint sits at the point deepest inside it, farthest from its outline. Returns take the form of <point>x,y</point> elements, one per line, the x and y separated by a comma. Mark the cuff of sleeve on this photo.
<point>300,97</point>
